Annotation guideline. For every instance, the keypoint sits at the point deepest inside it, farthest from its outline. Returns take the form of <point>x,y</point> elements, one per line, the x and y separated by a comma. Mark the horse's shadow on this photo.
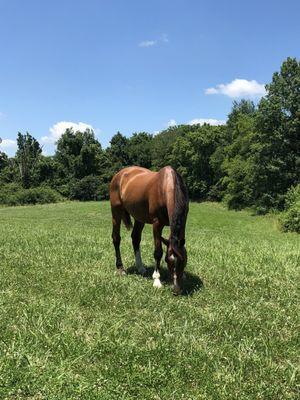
<point>191,283</point>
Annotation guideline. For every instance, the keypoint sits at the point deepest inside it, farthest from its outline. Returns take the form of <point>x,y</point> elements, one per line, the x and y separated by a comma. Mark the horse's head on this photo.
<point>176,258</point>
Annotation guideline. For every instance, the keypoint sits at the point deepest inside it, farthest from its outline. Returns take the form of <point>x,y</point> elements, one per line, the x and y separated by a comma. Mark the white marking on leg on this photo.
<point>157,283</point>
<point>156,275</point>
<point>176,287</point>
<point>139,263</point>
<point>175,280</point>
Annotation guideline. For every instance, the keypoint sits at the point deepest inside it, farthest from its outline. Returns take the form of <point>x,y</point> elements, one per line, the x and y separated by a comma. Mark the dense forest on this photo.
<point>252,161</point>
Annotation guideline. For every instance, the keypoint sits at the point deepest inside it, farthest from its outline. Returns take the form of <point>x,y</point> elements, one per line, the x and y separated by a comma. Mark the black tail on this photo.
<point>126,219</point>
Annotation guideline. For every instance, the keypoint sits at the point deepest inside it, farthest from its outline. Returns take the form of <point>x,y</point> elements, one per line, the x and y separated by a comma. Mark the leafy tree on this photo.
<point>239,108</point>
<point>163,142</point>
<point>3,160</point>
<point>27,157</point>
<point>118,152</point>
<point>277,140</point>
<point>191,154</point>
<point>47,171</point>
<point>237,167</point>
<point>140,149</point>
<point>78,153</point>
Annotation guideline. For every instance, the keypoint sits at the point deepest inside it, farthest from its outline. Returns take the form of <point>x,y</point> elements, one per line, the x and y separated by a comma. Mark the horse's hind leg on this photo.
<point>136,240</point>
<point>158,252</point>
<point>116,222</point>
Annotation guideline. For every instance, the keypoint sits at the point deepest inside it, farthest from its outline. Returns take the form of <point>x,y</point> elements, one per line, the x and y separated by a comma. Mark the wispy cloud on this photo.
<point>210,121</point>
<point>153,42</point>
<point>59,128</point>
<point>148,43</point>
<point>239,88</point>
<point>196,121</point>
<point>172,122</point>
<point>8,144</point>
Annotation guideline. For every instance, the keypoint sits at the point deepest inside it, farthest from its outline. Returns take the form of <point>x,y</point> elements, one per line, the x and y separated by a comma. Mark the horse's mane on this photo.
<point>181,207</point>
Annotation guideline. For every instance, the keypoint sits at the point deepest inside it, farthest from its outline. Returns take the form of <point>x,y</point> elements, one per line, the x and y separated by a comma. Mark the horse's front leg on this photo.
<point>158,252</point>
<point>136,240</point>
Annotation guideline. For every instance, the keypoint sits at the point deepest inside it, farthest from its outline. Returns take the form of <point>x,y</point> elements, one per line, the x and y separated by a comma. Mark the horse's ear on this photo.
<point>165,241</point>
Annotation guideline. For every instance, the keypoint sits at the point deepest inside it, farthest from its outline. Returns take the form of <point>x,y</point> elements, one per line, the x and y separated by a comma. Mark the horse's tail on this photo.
<point>126,219</point>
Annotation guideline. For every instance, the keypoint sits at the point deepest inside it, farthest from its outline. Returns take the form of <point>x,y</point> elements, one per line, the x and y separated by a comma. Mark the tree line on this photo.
<point>252,161</point>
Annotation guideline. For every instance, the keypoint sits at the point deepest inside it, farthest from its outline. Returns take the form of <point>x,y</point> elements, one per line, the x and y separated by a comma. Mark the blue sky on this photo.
<point>134,65</point>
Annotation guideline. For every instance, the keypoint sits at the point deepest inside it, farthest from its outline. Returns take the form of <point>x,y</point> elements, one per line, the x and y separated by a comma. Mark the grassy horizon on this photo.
<point>71,329</point>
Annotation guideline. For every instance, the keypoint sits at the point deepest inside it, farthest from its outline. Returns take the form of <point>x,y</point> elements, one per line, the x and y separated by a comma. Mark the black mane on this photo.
<point>181,208</point>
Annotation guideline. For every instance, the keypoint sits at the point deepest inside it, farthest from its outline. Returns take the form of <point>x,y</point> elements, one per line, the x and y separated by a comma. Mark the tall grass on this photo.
<point>71,329</point>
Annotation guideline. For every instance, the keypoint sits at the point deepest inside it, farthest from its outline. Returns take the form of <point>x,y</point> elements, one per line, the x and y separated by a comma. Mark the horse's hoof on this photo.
<point>120,272</point>
<point>142,271</point>
<point>177,290</point>
<point>157,283</point>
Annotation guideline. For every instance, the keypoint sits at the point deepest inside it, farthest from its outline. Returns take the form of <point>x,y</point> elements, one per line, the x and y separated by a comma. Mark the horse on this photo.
<point>157,198</point>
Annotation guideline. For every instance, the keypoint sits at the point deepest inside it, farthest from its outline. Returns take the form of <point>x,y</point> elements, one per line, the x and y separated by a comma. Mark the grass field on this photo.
<point>71,329</point>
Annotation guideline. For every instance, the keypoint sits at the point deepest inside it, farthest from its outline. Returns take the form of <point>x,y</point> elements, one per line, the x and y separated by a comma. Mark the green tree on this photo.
<point>78,153</point>
<point>163,143</point>
<point>238,166</point>
<point>233,160</point>
<point>27,157</point>
<point>277,148</point>
<point>47,171</point>
<point>118,152</point>
<point>191,154</point>
<point>140,149</point>
<point>3,160</point>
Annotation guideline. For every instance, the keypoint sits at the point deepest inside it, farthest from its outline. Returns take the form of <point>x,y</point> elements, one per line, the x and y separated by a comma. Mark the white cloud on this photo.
<point>210,121</point>
<point>172,122</point>
<point>59,128</point>
<point>8,144</point>
<point>148,43</point>
<point>239,88</point>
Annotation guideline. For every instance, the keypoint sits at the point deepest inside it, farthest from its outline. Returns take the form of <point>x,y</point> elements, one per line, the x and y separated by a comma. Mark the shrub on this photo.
<point>86,188</point>
<point>104,191</point>
<point>14,195</point>
<point>64,190</point>
<point>292,196</point>
<point>290,219</point>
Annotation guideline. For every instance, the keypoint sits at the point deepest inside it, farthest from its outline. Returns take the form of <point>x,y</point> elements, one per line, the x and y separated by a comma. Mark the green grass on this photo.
<point>71,329</point>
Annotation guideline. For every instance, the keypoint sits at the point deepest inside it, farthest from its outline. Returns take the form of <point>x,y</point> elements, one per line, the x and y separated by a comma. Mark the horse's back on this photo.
<point>137,190</point>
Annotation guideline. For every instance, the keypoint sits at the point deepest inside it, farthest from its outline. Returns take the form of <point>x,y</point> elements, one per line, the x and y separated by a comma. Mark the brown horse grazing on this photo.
<point>157,198</point>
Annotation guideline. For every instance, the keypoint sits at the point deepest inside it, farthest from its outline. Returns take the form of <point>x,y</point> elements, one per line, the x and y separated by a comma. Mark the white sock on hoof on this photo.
<point>156,275</point>
<point>157,282</point>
